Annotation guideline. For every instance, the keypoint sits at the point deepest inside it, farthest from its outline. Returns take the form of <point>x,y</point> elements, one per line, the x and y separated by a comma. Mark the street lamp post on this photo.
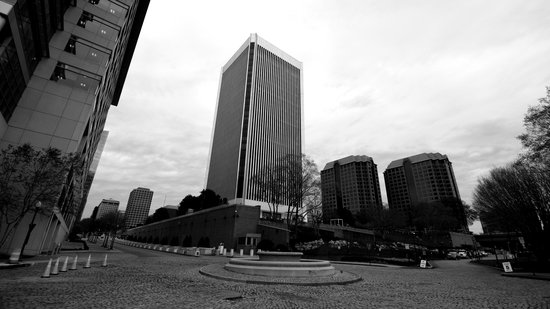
<point>37,207</point>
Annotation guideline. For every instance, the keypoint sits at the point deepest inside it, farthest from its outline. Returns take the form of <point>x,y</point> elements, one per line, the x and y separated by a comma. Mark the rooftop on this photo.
<point>418,158</point>
<point>348,160</point>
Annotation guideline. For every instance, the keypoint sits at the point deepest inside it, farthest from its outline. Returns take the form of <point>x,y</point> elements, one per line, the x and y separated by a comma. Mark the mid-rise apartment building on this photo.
<point>137,209</point>
<point>350,183</point>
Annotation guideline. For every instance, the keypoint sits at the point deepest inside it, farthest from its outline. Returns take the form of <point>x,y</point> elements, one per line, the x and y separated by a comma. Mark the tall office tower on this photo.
<point>258,120</point>
<point>423,178</point>
<point>138,207</point>
<point>350,183</point>
<point>63,63</point>
<point>106,207</point>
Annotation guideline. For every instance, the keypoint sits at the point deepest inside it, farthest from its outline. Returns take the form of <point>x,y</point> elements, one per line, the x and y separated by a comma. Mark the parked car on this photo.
<point>462,255</point>
<point>452,255</point>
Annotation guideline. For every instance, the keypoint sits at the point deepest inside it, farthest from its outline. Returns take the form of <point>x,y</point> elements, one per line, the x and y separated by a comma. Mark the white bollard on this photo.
<point>104,262</point>
<point>64,268</point>
<point>14,257</point>
<point>55,270</point>
<point>251,252</point>
<point>241,252</point>
<point>232,252</point>
<point>47,271</point>
<point>88,261</point>
<point>224,253</point>
<point>74,263</point>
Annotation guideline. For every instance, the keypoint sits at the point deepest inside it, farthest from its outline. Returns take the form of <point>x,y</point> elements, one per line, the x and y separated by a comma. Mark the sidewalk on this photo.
<point>45,258</point>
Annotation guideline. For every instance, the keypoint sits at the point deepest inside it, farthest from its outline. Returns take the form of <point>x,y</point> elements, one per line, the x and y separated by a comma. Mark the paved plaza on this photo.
<point>139,278</point>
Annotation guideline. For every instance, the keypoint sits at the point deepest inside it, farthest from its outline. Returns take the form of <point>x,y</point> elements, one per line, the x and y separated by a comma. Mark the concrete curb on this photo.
<point>9,266</point>
<point>218,272</point>
<point>366,264</point>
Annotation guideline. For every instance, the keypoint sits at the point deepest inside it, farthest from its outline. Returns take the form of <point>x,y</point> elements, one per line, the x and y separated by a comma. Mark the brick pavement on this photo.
<point>145,279</point>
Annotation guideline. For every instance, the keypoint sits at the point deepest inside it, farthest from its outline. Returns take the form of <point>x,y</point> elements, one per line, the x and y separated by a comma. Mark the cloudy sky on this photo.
<point>387,79</point>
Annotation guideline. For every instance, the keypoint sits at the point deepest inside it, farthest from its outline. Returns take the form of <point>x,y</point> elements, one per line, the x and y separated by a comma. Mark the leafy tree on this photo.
<point>437,216</point>
<point>346,215</point>
<point>109,222</point>
<point>516,198</point>
<point>27,176</point>
<point>188,202</point>
<point>206,199</point>
<point>159,215</point>
<point>382,219</point>
<point>536,139</point>
<point>87,225</point>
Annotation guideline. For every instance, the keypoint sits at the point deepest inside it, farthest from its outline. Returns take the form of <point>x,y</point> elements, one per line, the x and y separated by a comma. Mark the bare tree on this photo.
<point>270,186</point>
<point>516,198</point>
<point>29,176</point>
<point>292,181</point>
<point>303,187</point>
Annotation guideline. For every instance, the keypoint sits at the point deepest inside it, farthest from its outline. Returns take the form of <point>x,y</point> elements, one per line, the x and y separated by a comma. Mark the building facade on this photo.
<point>106,207</point>
<point>423,178</point>
<point>91,172</point>
<point>63,64</point>
<point>235,226</point>
<point>351,183</point>
<point>259,119</point>
<point>137,209</point>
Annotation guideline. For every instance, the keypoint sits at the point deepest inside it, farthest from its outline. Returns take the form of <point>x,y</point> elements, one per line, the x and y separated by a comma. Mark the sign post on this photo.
<point>507,267</point>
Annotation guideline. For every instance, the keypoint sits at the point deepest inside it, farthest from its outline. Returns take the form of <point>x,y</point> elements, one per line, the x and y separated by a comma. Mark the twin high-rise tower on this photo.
<point>259,119</point>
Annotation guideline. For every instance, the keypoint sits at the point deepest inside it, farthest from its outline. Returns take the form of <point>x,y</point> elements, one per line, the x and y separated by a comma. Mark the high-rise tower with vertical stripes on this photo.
<point>259,119</point>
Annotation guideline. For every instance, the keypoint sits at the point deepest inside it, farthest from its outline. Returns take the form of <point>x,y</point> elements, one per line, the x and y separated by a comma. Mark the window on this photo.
<point>75,77</point>
<point>98,25</point>
<point>91,52</point>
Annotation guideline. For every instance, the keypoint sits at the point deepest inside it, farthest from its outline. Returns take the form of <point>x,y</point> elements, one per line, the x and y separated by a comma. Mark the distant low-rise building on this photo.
<point>172,210</point>
<point>107,206</point>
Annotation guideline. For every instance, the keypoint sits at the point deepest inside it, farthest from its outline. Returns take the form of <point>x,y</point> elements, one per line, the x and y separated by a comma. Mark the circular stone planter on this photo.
<point>280,264</point>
